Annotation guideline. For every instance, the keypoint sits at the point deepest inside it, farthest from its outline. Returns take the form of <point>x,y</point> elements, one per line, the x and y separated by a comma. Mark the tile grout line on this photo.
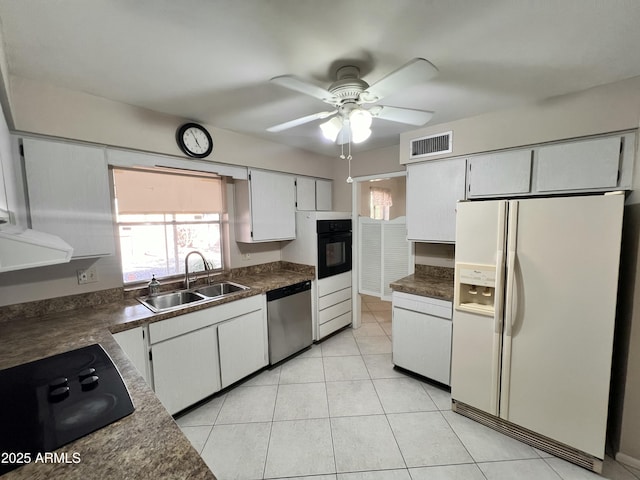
<point>275,402</point>
<point>386,417</point>
<point>461,442</point>
<point>333,446</point>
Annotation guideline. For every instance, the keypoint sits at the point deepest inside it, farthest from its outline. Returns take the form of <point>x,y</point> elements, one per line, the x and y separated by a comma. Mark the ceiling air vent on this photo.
<point>431,145</point>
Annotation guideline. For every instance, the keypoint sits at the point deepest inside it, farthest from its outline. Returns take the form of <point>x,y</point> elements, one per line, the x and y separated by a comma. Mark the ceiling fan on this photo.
<point>349,94</point>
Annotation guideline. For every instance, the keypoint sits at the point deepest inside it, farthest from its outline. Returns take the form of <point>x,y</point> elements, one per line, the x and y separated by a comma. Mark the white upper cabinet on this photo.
<point>499,174</point>
<point>324,190</point>
<point>433,190</point>
<point>305,193</point>
<point>68,192</point>
<point>265,207</point>
<point>582,165</point>
<point>313,193</point>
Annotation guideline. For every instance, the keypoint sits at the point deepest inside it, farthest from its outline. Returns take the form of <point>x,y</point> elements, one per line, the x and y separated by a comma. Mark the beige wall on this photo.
<point>372,162</point>
<point>602,109</point>
<point>48,110</point>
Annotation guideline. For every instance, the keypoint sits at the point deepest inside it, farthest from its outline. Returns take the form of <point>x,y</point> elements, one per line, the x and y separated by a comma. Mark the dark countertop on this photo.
<point>147,443</point>
<point>427,281</point>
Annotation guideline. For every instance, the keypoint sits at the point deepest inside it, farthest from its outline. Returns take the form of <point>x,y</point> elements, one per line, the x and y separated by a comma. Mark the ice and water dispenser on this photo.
<point>475,288</point>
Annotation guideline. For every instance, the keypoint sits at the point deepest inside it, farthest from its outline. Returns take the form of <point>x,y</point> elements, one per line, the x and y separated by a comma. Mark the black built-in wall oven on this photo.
<point>334,247</point>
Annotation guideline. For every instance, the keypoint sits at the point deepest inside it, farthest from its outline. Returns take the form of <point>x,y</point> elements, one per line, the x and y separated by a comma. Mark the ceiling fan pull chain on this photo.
<point>349,157</point>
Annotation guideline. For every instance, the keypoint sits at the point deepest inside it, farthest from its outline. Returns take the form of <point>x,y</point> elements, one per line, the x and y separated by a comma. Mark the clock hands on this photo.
<point>196,139</point>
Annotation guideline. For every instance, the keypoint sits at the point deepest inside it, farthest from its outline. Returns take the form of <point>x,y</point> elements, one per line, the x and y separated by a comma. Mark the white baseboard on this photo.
<point>628,460</point>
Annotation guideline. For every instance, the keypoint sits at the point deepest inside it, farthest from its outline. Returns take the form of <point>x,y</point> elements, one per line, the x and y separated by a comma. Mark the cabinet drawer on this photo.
<point>418,303</point>
<point>333,284</point>
<point>335,324</point>
<point>188,322</point>
<point>333,298</point>
<point>334,311</point>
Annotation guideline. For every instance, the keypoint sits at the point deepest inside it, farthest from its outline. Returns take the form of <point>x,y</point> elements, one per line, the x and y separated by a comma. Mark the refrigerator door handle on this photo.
<point>511,263</point>
<point>499,287</point>
<point>505,381</point>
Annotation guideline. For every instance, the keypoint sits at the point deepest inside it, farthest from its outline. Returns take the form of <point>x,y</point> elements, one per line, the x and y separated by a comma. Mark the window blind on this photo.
<point>146,191</point>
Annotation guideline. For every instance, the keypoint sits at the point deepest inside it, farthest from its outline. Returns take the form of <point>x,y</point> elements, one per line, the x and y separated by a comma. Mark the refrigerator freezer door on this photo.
<point>477,338</point>
<point>564,301</point>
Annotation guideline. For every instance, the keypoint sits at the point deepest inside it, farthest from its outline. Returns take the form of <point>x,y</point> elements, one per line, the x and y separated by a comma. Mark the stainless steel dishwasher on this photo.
<point>289,320</point>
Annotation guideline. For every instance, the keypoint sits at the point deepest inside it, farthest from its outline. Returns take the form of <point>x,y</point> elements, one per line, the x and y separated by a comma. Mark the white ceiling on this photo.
<point>211,60</point>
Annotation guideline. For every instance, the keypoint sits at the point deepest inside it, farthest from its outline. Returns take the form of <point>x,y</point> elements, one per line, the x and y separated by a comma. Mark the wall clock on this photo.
<point>194,140</point>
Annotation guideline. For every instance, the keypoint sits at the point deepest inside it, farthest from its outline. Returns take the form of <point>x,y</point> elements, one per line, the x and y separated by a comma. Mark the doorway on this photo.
<point>379,209</point>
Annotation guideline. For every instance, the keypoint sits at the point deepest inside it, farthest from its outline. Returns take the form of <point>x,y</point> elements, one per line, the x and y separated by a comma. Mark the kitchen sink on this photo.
<point>171,301</point>
<point>220,289</point>
<point>186,298</point>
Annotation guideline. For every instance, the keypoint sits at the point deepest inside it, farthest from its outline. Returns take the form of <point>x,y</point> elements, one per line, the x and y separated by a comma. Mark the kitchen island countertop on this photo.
<point>427,281</point>
<point>146,444</point>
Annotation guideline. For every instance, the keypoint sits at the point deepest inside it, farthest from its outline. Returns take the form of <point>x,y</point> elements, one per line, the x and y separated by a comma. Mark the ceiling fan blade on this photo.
<point>416,71</point>
<point>300,121</point>
<point>303,86</point>
<point>401,115</point>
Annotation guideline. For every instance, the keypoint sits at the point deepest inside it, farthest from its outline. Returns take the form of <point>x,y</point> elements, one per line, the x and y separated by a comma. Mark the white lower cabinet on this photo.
<point>334,303</point>
<point>186,369</point>
<point>134,344</point>
<point>243,346</point>
<point>197,354</point>
<point>422,335</point>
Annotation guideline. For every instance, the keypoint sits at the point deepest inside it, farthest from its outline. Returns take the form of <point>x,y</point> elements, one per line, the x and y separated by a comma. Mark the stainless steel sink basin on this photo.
<point>220,289</point>
<point>170,301</point>
<point>186,298</point>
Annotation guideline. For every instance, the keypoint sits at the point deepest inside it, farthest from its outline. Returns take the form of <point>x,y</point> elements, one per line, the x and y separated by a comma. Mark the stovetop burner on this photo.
<point>50,402</point>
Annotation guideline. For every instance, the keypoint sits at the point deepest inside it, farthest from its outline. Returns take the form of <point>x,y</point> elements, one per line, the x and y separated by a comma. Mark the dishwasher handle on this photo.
<point>288,290</point>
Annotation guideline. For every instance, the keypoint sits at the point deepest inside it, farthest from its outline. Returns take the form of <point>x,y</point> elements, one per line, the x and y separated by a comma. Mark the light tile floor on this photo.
<point>340,411</point>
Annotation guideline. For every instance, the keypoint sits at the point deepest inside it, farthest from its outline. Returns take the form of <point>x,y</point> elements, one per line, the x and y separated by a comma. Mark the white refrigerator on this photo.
<point>533,321</point>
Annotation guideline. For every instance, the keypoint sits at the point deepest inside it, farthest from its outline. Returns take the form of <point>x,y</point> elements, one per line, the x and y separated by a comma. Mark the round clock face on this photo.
<point>194,140</point>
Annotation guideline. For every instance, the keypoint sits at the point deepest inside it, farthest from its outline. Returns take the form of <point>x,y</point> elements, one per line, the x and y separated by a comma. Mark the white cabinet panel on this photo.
<point>499,174</point>
<point>313,193</point>
<point>135,346</point>
<point>242,342</point>
<point>305,193</point>
<point>186,368</point>
<point>68,191</point>
<point>579,165</point>
<point>265,207</point>
<point>334,311</point>
<point>422,342</point>
<point>324,190</point>
<point>433,189</point>
<point>333,298</point>
<point>334,303</point>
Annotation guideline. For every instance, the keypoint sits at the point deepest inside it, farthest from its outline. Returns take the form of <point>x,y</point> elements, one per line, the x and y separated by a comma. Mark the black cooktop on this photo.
<point>50,402</point>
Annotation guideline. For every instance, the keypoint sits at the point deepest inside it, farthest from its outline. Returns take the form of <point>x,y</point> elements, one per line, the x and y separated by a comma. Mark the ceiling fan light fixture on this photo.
<point>360,121</point>
<point>331,128</point>
<point>359,135</point>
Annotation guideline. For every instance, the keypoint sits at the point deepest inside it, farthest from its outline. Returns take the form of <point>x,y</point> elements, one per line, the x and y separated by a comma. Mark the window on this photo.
<point>162,216</point>
<point>379,203</point>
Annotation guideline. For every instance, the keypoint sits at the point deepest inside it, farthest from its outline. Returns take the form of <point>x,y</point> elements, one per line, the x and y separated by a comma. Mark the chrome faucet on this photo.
<point>186,266</point>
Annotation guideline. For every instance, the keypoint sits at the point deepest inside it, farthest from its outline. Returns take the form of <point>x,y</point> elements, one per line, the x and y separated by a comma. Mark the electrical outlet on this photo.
<point>246,256</point>
<point>88,275</point>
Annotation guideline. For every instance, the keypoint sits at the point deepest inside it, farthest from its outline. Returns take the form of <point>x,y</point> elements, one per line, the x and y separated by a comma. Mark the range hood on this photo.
<point>25,248</point>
